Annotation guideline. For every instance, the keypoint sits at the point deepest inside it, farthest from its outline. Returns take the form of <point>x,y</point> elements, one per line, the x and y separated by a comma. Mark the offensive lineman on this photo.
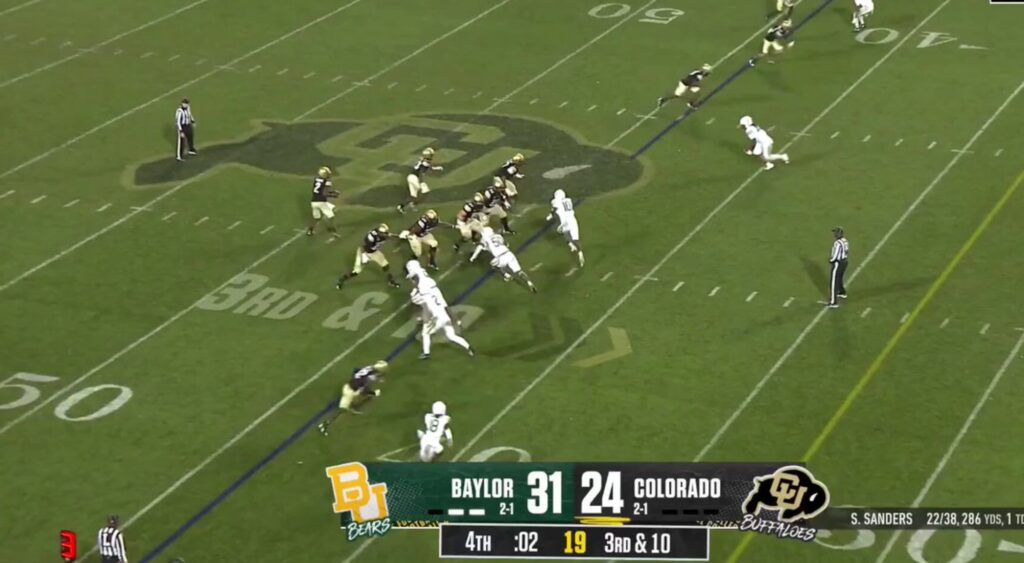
<point>862,9</point>
<point>562,208</point>
<point>436,423</point>
<point>417,186</point>
<point>435,313</point>
<point>362,386</point>
<point>419,235</point>
<point>763,143</point>
<point>689,84</point>
<point>468,220</point>
<point>508,171</point>
<point>368,251</point>
<point>503,259</point>
<point>320,206</point>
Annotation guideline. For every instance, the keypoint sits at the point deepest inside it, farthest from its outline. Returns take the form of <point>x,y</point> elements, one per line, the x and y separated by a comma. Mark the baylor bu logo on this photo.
<point>366,503</point>
<point>791,490</point>
<point>372,159</point>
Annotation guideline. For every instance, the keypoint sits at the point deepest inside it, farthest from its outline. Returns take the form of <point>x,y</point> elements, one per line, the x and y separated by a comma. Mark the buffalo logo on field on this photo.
<point>372,159</point>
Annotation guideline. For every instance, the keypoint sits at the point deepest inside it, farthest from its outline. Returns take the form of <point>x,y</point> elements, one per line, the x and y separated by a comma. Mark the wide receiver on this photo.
<point>436,423</point>
<point>320,204</point>
<point>562,208</point>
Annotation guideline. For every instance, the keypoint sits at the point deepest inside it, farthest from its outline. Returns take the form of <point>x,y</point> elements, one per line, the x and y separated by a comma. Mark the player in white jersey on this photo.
<point>861,10</point>
<point>562,208</point>
<point>436,423</point>
<point>504,260</point>
<point>763,143</point>
<point>435,313</point>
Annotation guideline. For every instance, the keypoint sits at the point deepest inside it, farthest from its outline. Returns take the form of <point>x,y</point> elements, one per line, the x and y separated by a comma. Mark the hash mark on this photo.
<point>898,142</point>
<point>392,85</point>
<point>337,78</point>
<point>533,101</point>
<point>944,323</point>
<point>606,276</point>
<point>751,297</point>
<point>621,111</point>
<point>866,139</point>
<point>310,74</point>
<point>961,151</point>
<point>788,302</point>
<point>11,36</point>
<point>282,71</point>
<point>536,266</point>
<point>984,329</point>
<point>38,41</point>
<point>677,286</point>
<point>834,135</point>
<point>200,61</point>
<point>118,51</point>
<point>571,272</point>
<point>645,278</point>
<point>799,134</point>
<point>932,146</point>
<point>103,207</point>
<point>201,221</point>
<point>267,230</point>
<point>999,152</point>
<point>172,57</point>
<point>422,86</point>
<point>255,68</point>
<point>563,104</point>
<point>72,202</point>
<point>38,199</point>
<point>147,54</point>
<point>714,291</point>
<point>477,95</point>
<point>7,193</point>
<point>448,91</point>
<point>361,83</point>
<point>865,313</point>
<point>169,215</point>
<point>710,121</point>
<point>235,224</point>
<point>592,108</point>
<point>65,44</point>
<point>904,318</point>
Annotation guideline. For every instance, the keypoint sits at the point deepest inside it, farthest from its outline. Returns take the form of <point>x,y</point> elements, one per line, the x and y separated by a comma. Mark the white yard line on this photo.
<point>956,441</point>
<point>104,43</point>
<point>176,90</point>
<point>867,259</point>
<point>19,6</point>
<point>197,177</point>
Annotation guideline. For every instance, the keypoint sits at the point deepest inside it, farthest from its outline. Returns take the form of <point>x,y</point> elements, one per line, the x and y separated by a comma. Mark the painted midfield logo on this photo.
<point>372,159</point>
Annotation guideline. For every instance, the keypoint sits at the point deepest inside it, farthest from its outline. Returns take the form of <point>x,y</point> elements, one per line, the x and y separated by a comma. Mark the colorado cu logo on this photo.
<point>791,490</point>
<point>372,159</point>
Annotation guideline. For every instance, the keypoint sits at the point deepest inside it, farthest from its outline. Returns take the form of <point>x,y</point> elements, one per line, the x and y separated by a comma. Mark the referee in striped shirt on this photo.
<point>186,129</point>
<point>111,543</point>
<point>840,257</point>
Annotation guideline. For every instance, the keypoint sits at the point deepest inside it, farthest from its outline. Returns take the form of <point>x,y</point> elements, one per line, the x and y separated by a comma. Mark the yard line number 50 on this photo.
<point>26,384</point>
<point>617,10</point>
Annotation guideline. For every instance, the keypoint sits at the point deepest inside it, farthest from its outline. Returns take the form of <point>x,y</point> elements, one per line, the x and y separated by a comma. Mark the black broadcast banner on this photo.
<point>569,541</point>
<point>846,518</point>
<point>665,493</point>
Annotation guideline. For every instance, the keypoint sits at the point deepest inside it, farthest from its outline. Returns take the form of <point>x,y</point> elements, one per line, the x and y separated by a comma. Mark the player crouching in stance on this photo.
<point>688,84</point>
<point>362,387</point>
<point>773,42</point>
<point>419,235</point>
<point>320,206</point>
<point>368,251</point>
<point>503,259</point>
<point>861,10</point>
<point>468,221</point>
<point>561,207</point>
<point>417,185</point>
<point>434,310</point>
<point>763,143</point>
<point>436,425</point>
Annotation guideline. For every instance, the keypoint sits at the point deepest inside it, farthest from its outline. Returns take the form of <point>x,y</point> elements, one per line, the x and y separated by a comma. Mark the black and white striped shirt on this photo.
<point>111,543</point>
<point>840,250</point>
<point>183,117</point>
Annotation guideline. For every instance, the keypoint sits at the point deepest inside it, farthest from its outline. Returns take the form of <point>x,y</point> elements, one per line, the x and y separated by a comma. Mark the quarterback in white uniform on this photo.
<point>562,208</point>
<point>435,314</point>
<point>504,260</point>
<point>763,143</point>
<point>862,9</point>
<point>436,425</point>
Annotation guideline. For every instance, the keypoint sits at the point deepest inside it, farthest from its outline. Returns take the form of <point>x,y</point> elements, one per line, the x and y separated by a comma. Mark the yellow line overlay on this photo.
<point>876,365</point>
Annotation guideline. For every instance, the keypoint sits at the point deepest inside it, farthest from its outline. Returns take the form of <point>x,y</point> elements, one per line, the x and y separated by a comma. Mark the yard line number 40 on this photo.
<point>618,10</point>
<point>27,385</point>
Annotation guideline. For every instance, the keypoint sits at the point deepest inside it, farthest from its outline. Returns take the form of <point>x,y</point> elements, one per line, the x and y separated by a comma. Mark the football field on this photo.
<point>170,336</point>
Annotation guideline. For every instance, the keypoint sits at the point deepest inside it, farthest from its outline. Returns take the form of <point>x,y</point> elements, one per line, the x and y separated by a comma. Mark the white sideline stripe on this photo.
<point>63,390</point>
<point>104,43</point>
<point>956,441</point>
<point>175,90</point>
<point>874,251</point>
<point>19,6</point>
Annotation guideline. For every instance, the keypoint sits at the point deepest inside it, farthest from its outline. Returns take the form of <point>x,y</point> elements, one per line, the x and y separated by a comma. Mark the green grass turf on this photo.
<point>201,376</point>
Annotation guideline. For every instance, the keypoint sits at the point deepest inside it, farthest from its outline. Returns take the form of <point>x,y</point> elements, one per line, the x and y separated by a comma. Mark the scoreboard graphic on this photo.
<point>623,511</point>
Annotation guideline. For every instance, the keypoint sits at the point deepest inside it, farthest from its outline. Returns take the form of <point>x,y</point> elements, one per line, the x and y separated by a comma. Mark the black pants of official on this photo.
<point>835,282</point>
<point>188,142</point>
<point>111,559</point>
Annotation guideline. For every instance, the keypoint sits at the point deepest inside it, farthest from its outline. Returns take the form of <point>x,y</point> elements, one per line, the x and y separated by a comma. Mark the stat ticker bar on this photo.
<point>846,518</point>
<point>571,541</point>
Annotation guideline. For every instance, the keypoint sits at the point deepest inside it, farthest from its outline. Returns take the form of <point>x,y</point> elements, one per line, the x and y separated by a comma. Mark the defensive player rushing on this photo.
<point>419,235</point>
<point>561,207</point>
<point>320,204</point>
<point>507,171</point>
<point>497,204</point>
<point>762,143</point>
<point>503,259</point>
<point>417,185</point>
<point>688,84</point>
<point>362,387</point>
<point>468,221</point>
<point>437,425</point>
<point>435,313</point>
<point>783,8</point>
<point>368,251</point>
<point>861,10</point>
<point>773,42</point>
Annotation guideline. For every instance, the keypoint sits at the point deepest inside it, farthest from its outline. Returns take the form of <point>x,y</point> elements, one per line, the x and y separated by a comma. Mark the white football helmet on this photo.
<point>439,408</point>
<point>486,232</point>
<point>746,121</point>
<point>414,268</point>
<point>559,194</point>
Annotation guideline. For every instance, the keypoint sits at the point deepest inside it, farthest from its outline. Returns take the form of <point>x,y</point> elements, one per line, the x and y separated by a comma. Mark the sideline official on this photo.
<point>186,124</point>
<point>110,542</point>
<point>838,260</point>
